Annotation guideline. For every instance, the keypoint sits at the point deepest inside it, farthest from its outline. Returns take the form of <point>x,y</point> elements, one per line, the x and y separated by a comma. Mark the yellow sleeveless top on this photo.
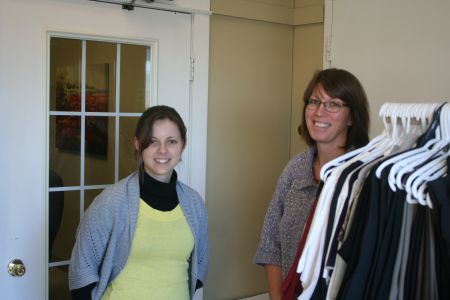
<point>157,267</point>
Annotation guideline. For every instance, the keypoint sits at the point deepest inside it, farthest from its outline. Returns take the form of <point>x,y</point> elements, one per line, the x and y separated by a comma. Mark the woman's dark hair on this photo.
<point>343,85</point>
<point>144,127</point>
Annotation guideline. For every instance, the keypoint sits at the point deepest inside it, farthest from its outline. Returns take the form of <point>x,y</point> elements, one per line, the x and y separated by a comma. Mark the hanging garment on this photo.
<point>320,290</point>
<point>440,194</point>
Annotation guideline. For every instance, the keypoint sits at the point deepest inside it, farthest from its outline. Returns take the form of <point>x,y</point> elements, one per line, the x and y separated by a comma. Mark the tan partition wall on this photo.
<point>248,145</point>
<point>307,58</point>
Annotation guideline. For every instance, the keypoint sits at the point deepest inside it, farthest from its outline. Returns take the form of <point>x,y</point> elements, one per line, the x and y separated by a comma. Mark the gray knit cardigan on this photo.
<point>287,212</point>
<point>107,228</point>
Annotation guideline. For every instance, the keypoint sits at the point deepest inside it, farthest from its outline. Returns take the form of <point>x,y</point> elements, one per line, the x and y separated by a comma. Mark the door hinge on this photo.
<point>328,51</point>
<point>192,68</point>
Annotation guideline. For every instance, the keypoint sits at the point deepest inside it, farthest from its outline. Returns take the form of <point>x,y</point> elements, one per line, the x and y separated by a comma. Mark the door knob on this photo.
<point>16,267</point>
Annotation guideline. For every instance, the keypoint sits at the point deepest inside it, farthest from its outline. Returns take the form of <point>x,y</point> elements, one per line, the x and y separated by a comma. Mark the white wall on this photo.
<point>400,50</point>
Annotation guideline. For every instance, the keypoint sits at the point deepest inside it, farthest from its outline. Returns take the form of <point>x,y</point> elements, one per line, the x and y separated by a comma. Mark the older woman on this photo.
<point>335,120</point>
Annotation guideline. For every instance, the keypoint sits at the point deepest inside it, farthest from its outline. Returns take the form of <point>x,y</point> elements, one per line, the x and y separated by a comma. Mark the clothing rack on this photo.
<point>402,161</point>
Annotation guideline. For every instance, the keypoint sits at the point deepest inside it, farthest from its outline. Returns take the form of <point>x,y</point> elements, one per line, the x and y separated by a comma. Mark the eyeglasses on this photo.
<point>330,106</point>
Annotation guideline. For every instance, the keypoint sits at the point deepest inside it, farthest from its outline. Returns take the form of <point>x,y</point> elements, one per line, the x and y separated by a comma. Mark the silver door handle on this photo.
<point>16,267</point>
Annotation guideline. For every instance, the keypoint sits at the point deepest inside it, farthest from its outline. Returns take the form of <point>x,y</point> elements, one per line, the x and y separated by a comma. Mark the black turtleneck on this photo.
<point>159,195</point>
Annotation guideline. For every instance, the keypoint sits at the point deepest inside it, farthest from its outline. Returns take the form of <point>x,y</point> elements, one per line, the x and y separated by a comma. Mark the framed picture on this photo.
<point>68,98</point>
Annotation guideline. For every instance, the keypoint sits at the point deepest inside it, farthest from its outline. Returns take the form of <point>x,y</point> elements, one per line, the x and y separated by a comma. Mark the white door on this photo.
<point>26,29</point>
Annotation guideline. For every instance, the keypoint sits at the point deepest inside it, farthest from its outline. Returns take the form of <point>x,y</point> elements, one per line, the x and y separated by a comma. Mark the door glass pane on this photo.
<point>68,211</point>
<point>64,148</point>
<point>134,73</point>
<point>65,74</point>
<point>55,211</point>
<point>127,162</point>
<point>89,196</point>
<point>100,76</point>
<point>59,283</point>
<point>99,151</point>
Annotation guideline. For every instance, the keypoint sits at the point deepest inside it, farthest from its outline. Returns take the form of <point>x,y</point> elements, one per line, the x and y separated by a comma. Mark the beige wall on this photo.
<point>307,58</point>
<point>308,54</point>
<point>277,11</point>
<point>402,58</point>
<point>262,53</point>
<point>248,144</point>
<point>399,49</point>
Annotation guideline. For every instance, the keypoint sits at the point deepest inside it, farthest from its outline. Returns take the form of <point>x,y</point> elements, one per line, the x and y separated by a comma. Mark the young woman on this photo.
<point>335,120</point>
<point>146,236</point>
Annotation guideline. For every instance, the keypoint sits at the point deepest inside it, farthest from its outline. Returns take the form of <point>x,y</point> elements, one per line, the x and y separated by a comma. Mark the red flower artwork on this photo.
<point>68,128</point>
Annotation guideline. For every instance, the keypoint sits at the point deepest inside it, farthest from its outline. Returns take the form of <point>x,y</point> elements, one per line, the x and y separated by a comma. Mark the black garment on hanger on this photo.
<point>386,253</point>
<point>360,258</point>
<point>414,253</point>
<point>439,191</point>
<point>430,133</point>
<point>338,234</point>
<point>379,224</point>
<point>351,250</point>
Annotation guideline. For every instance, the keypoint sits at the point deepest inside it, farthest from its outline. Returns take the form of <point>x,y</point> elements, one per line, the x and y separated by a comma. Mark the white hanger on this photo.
<point>416,183</point>
<point>445,122</point>
<point>419,191</point>
<point>351,156</point>
<point>408,164</point>
<point>382,141</point>
<point>400,163</point>
<point>421,112</point>
<point>385,112</point>
<point>406,112</point>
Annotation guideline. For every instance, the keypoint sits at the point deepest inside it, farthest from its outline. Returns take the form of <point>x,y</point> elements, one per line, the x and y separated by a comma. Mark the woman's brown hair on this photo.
<point>144,128</point>
<point>343,85</point>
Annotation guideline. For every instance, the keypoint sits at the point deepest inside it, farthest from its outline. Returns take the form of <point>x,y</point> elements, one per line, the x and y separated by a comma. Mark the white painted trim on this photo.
<point>46,63</point>
<point>199,103</point>
<point>94,114</point>
<point>83,126</point>
<point>327,33</point>
<point>59,263</point>
<point>117,118</point>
